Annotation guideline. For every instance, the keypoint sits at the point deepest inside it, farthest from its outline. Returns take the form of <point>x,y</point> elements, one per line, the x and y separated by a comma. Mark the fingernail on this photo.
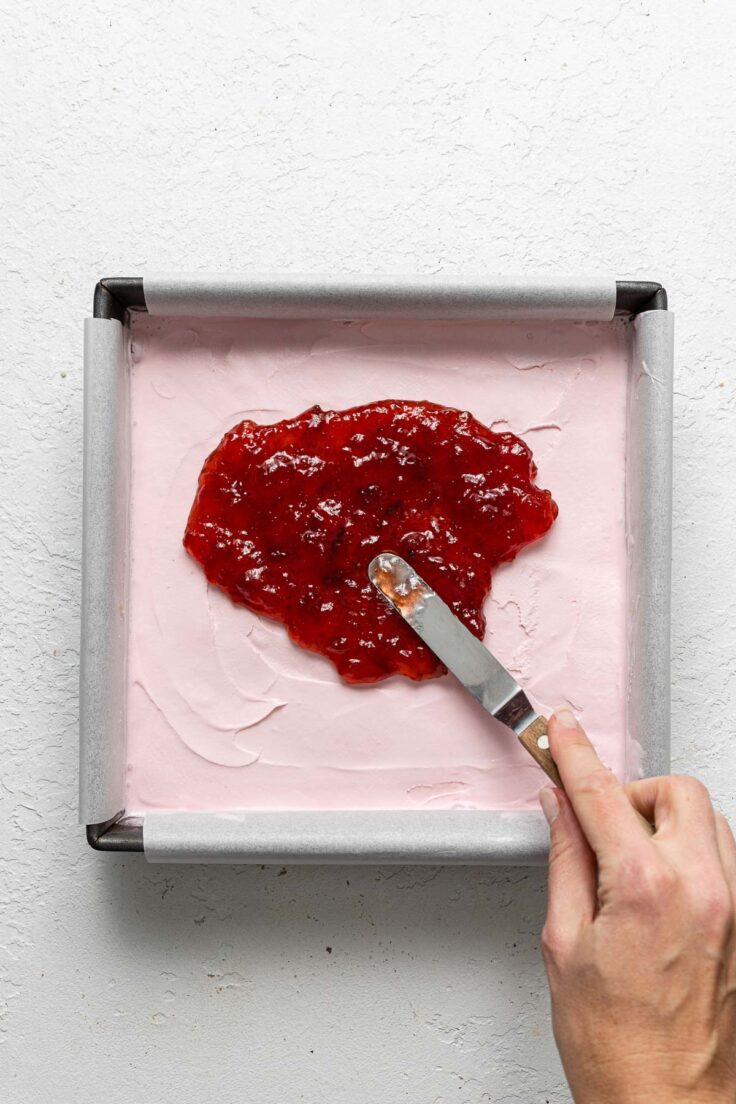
<point>564,716</point>
<point>550,804</point>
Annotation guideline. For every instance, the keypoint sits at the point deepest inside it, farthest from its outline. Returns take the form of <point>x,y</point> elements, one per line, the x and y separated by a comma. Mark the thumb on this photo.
<point>573,874</point>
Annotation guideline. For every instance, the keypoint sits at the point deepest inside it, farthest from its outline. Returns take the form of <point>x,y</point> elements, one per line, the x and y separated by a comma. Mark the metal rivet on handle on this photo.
<point>543,742</point>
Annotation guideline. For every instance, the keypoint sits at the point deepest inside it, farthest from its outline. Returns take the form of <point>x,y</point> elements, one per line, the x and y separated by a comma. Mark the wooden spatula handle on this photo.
<point>530,738</point>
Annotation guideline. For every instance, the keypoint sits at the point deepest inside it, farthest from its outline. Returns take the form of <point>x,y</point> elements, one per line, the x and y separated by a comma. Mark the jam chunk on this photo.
<point>288,516</point>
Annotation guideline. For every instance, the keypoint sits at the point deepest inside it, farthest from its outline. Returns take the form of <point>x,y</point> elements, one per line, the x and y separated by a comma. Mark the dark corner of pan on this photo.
<point>118,834</point>
<point>114,295</point>
<point>635,296</point>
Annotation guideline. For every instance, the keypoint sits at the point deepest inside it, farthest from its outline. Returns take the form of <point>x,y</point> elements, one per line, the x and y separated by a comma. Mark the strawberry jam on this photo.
<point>287,518</point>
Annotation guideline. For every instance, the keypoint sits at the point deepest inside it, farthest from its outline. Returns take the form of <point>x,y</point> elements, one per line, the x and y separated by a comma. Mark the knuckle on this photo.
<point>649,884</point>
<point>714,909</point>
<point>690,787</point>
<point>554,944</point>
<point>596,784</point>
<point>664,877</point>
<point>661,882</point>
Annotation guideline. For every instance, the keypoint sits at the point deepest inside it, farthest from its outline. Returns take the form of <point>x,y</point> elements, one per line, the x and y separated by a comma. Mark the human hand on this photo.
<point>639,938</point>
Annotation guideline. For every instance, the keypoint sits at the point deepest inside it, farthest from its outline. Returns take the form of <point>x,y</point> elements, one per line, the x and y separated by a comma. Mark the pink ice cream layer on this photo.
<point>225,713</point>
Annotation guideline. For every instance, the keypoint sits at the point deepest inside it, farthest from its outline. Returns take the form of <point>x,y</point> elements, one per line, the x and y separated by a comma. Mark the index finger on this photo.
<point>606,815</point>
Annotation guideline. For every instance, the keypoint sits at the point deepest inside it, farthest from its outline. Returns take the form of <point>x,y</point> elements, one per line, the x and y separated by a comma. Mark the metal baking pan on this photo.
<point>442,836</point>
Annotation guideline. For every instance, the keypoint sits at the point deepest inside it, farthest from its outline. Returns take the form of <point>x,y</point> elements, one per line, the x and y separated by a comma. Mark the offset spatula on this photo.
<point>463,654</point>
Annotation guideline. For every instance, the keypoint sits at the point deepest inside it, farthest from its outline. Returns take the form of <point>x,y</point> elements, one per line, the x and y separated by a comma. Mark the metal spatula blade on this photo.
<point>463,654</point>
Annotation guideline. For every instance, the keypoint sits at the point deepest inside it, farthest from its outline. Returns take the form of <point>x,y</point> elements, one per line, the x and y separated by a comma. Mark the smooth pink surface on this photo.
<point>224,712</point>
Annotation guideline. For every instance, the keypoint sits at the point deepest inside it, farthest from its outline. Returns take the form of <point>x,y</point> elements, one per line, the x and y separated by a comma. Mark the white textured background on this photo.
<point>427,136</point>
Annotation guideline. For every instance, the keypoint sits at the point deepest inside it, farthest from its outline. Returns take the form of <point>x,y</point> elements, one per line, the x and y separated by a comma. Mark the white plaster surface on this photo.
<point>426,136</point>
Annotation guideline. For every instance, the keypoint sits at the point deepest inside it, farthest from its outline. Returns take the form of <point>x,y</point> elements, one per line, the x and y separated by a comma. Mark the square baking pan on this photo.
<point>453,835</point>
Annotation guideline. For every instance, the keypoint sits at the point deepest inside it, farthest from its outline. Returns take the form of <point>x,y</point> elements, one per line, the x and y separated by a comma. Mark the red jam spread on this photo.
<point>287,518</point>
